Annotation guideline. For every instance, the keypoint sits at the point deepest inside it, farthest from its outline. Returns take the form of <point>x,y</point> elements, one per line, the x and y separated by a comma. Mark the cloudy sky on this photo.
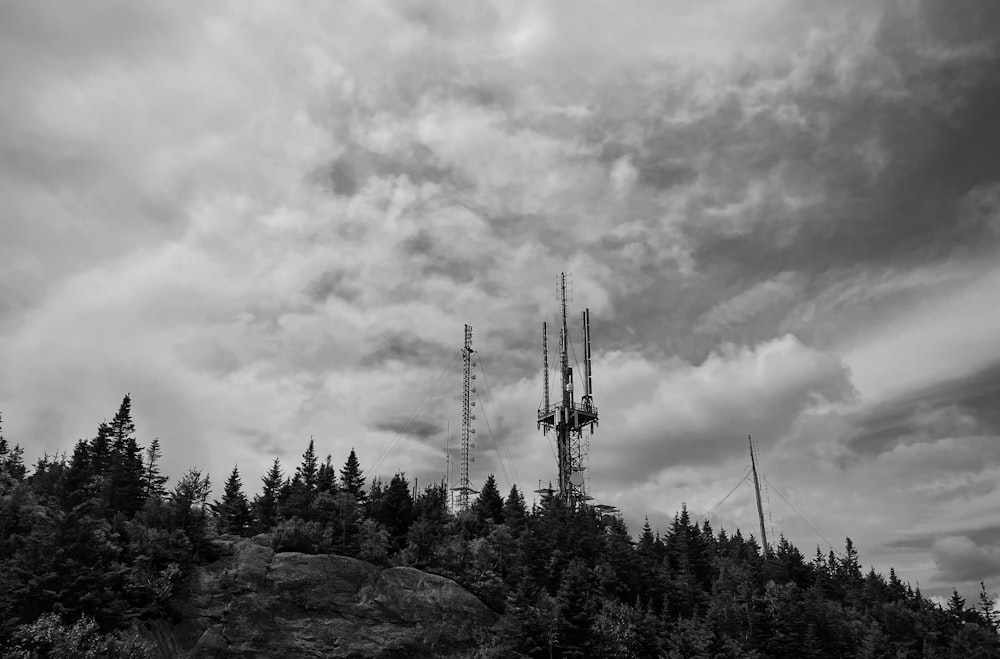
<point>270,221</point>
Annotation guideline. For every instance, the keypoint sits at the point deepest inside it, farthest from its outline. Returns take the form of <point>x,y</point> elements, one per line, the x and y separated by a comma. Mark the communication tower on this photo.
<point>464,489</point>
<point>567,416</point>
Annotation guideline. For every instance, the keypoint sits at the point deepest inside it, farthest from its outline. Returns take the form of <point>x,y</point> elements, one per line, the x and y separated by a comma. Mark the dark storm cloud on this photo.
<point>349,172</point>
<point>959,559</point>
<point>418,428</point>
<point>964,406</point>
<point>333,283</point>
<point>407,348</point>
<point>988,536</point>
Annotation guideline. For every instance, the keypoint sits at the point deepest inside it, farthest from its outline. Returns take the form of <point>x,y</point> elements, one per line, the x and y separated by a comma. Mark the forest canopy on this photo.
<point>97,543</point>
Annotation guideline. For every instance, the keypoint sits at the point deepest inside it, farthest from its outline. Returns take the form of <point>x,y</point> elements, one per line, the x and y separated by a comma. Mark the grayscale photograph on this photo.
<point>500,329</point>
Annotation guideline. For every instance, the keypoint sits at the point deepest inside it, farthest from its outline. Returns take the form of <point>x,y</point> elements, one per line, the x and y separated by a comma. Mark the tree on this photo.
<point>233,512</point>
<point>326,477</point>
<point>49,637</point>
<point>187,506</point>
<point>515,511</point>
<point>488,506</point>
<point>100,449</point>
<point>394,510</point>
<point>11,460</point>
<point>152,482</point>
<point>126,491</point>
<point>302,488</point>
<point>574,609</point>
<point>352,478</point>
<point>265,504</point>
<point>309,469</point>
<point>987,608</point>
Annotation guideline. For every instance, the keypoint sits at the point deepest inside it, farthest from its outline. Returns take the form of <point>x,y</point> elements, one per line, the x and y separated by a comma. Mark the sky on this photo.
<point>270,221</point>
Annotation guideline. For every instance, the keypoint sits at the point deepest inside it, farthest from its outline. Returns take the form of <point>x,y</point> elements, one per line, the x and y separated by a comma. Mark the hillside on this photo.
<point>99,558</point>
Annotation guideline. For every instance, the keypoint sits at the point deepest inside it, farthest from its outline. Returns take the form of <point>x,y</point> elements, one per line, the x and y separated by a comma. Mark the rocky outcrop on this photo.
<point>254,602</point>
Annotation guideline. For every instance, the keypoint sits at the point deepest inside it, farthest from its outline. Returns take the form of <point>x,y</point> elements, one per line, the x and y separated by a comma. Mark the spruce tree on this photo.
<point>515,511</point>
<point>233,512</point>
<point>265,504</point>
<point>126,493</point>
<point>100,449</point>
<point>393,508</point>
<point>488,506</point>
<point>11,459</point>
<point>153,483</point>
<point>326,478</point>
<point>352,478</point>
<point>988,608</point>
<point>309,469</point>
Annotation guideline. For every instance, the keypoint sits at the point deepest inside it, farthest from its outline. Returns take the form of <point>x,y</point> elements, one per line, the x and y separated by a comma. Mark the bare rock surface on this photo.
<point>253,602</point>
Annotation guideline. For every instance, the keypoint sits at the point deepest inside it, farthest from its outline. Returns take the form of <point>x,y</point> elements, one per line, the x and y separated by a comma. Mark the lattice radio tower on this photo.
<point>568,417</point>
<point>464,489</point>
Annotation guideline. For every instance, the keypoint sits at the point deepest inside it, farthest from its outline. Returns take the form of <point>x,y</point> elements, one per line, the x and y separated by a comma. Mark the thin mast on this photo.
<point>760,508</point>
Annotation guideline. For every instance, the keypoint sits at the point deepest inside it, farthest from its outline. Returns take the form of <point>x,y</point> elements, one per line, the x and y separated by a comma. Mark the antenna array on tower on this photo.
<point>568,417</point>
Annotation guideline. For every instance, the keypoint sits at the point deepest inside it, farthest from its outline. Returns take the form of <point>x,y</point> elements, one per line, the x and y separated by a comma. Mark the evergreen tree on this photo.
<point>575,609</point>
<point>488,506</point>
<point>309,469</point>
<point>393,508</point>
<point>515,511</point>
<point>265,504</point>
<point>100,449</point>
<point>153,484</point>
<point>302,490</point>
<point>11,461</point>
<point>126,492</point>
<point>78,476</point>
<point>352,478</point>
<point>188,501</point>
<point>326,477</point>
<point>988,608</point>
<point>233,512</point>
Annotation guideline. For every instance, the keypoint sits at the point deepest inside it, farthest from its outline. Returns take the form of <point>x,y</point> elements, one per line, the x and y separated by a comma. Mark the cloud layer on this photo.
<point>270,222</point>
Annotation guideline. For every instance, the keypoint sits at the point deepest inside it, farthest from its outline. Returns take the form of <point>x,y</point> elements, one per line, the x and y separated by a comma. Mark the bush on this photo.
<point>49,637</point>
<point>297,535</point>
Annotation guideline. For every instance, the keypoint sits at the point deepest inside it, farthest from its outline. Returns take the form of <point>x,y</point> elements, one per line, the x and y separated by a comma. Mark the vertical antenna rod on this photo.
<point>545,368</point>
<point>563,429</point>
<point>588,390</point>
<point>760,508</point>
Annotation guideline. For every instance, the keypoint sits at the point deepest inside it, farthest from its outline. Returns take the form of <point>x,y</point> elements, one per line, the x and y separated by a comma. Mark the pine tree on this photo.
<point>326,478</point>
<point>394,509</point>
<point>11,459</point>
<point>153,483</point>
<point>187,506</point>
<point>265,504</point>
<point>309,469</point>
<point>302,488</point>
<point>988,608</point>
<point>488,506</point>
<point>77,483</point>
<point>100,449</point>
<point>126,493</point>
<point>233,512</point>
<point>515,511</point>
<point>352,478</point>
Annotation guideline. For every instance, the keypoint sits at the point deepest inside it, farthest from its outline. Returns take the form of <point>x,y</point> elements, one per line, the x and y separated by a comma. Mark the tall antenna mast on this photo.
<point>567,417</point>
<point>468,389</point>
<point>760,508</point>
<point>545,366</point>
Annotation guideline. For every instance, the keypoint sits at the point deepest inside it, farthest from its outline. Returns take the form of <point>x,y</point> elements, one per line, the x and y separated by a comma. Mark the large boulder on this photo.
<point>253,602</point>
